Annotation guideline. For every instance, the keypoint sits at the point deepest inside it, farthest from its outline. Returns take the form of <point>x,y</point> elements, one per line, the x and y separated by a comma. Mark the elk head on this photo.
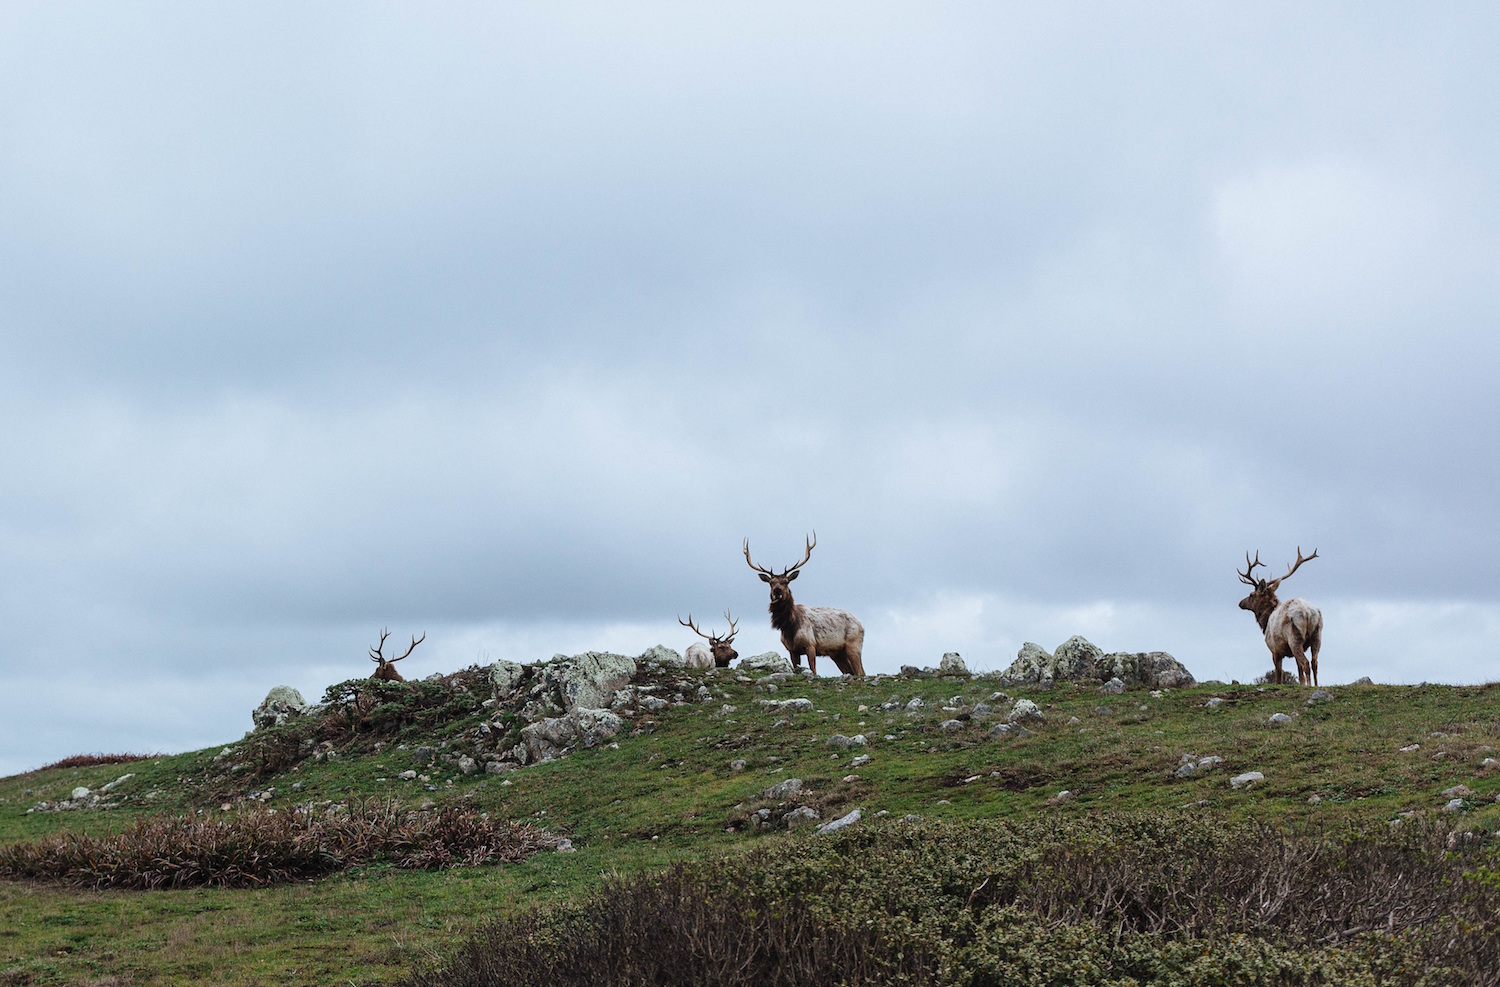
<point>722,647</point>
<point>1262,599</point>
<point>781,591</point>
<point>385,668</point>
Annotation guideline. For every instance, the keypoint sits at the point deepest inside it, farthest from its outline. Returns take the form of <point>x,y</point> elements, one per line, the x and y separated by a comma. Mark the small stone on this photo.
<point>1024,711</point>
<point>1488,762</point>
<point>860,761</point>
<point>838,740</point>
<point>915,704</point>
<point>408,775</point>
<point>1319,696</point>
<point>840,823</point>
<point>1073,719</point>
<point>565,845</point>
<point>79,793</point>
<point>1455,805</point>
<point>1248,778</point>
<point>1279,720</point>
<point>738,765</point>
<point>851,778</point>
<point>1060,797</point>
<point>1186,770</point>
<point>1314,799</point>
<point>1215,702</point>
<point>1362,680</point>
<point>800,816</point>
<point>1113,687</point>
<point>796,705</point>
<point>782,789</point>
<point>951,726</point>
<point>467,765</point>
<point>1457,792</point>
<point>1411,747</point>
<point>1103,710</point>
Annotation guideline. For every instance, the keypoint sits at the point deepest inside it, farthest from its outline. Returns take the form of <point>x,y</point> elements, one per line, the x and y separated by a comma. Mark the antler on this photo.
<point>1245,576</point>
<point>689,623</point>
<point>375,652</point>
<point>730,635</point>
<point>414,642</point>
<point>1297,565</point>
<point>811,543</point>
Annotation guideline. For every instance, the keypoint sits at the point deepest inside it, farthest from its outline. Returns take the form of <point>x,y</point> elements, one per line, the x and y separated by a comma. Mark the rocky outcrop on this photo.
<point>551,738</point>
<point>661,655</point>
<point>589,680</point>
<point>505,679</point>
<point>281,704</point>
<point>952,664</point>
<point>1079,660</point>
<point>767,663</point>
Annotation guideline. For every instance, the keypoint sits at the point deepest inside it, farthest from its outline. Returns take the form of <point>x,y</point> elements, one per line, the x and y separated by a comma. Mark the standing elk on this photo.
<point>812,631</point>
<point>385,668</point>
<point>719,651</point>
<point>1293,629</point>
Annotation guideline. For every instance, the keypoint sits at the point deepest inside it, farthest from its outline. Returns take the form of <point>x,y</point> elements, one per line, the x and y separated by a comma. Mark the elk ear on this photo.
<point>791,575</point>
<point>765,578</point>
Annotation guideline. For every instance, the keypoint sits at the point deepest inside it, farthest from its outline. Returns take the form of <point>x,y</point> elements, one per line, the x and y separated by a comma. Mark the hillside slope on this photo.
<point>689,780</point>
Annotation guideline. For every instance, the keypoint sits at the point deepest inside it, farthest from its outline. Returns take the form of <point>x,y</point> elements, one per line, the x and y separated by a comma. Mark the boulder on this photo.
<point>1279,720</point>
<point>595,726</point>
<point>765,663</point>
<point>281,704</point>
<point>664,656</point>
<point>840,823</point>
<point>550,738</point>
<point>952,664</point>
<point>1113,687</point>
<point>1248,778</point>
<point>1024,711</point>
<point>1146,670</point>
<point>800,816</point>
<point>505,679</point>
<point>783,789</point>
<point>589,680</point>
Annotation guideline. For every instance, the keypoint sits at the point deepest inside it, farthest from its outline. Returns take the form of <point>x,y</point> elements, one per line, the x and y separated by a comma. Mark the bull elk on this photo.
<point>719,650</point>
<point>811,631</point>
<point>1293,629</point>
<point>385,668</point>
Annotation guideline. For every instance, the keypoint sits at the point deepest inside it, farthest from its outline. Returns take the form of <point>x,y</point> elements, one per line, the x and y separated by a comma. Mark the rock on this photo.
<point>595,726</point>
<point>505,679</point>
<point>982,709</point>
<point>667,658</point>
<point>1075,659</point>
<point>1060,797</point>
<point>549,738</point>
<point>654,704</point>
<point>860,761</point>
<point>117,782</point>
<point>1113,687</point>
<point>915,704</point>
<point>467,765</point>
<point>1279,720</point>
<point>738,765</point>
<point>800,816</point>
<point>79,793</point>
<point>951,726</point>
<point>765,663</point>
<point>1455,805</point>
<point>796,705</point>
<point>281,704</point>
<point>952,664</point>
<point>564,845</point>
<point>1488,762</point>
<point>1024,711</point>
<point>589,680</point>
<point>1362,680</point>
<point>408,775</point>
<point>1032,664</point>
<point>1215,702</point>
<point>840,823</point>
<point>423,755</point>
<point>500,767</point>
<point>1318,696</point>
<point>703,695</point>
<point>839,740</point>
<point>624,698</point>
<point>1147,670</point>
<point>1248,778</point>
<point>783,789</point>
<point>1457,792</point>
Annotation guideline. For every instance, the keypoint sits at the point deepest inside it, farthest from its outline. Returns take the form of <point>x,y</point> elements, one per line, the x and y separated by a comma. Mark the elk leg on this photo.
<point>855,659</point>
<point>812,659</point>
<point>1304,671</point>
<point>1316,644</point>
<point>1280,676</point>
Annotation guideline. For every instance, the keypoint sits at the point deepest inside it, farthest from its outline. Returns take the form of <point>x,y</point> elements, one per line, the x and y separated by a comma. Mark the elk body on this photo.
<point>718,652</point>
<point>385,668</point>
<point>812,631</point>
<point>1293,629</point>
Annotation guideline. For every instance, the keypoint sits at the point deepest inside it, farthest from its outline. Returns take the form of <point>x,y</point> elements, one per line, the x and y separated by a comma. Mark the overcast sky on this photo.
<point>508,323</point>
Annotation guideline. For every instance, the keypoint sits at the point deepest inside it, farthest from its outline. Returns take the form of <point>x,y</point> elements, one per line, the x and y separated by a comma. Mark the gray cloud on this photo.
<point>510,325</point>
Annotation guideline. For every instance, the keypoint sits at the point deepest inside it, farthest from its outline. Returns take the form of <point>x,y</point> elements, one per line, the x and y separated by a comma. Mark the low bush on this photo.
<point>1150,899</point>
<point>90,760</point>
<point>263,847</point>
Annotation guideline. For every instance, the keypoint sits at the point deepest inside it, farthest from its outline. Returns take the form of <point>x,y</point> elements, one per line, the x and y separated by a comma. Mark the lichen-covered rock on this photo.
<point>589,680</point>
<point>281,704</point>
<point>1075,659</point>
<point>800,816</point>
<point>1113,687</point>
<point>842,822</point>
<point>768,662</point>
<point>662,655</point>
<point>505,679</point>
<point>595,726</point>
<point>1024,711</point>
<point>952,664</point>
<point>1146,670</point>
<point>783,789</point>
<point>549,739</point>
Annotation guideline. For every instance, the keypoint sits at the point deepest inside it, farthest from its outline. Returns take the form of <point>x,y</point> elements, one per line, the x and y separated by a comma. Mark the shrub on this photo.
<point>90,760</point>
<point>263,847</point>
<point>1123,899</point>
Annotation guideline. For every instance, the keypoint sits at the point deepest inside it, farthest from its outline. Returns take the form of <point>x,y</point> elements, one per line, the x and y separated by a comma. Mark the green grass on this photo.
<point>670,795</point>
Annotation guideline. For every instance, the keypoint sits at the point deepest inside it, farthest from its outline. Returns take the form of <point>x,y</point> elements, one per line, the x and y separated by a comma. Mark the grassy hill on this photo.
<point>689,785</point>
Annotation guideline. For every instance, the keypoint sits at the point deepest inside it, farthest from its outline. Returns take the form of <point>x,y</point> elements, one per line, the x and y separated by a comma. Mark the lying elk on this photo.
<point>812,631</point>
<point>719,651</point>
<point>1293,629</point>
<point>385,668</point>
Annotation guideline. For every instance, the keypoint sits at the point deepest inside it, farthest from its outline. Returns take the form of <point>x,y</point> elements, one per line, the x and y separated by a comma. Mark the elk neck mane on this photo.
<point>783,614</point>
